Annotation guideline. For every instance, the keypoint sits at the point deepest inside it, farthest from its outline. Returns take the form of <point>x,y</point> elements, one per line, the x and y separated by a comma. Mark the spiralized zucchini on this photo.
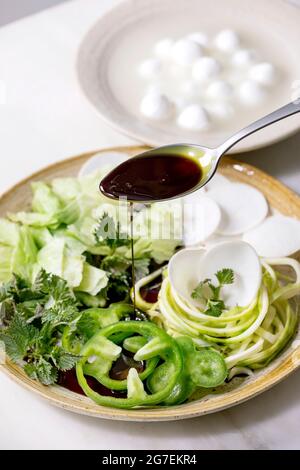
<point>249,338</point>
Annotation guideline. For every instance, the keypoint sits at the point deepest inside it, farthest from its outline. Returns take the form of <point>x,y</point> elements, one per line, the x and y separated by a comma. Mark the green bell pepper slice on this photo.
<point>90,322</point>
<point>206,367</point>
<point>202,368</point>
<point>99,353</point>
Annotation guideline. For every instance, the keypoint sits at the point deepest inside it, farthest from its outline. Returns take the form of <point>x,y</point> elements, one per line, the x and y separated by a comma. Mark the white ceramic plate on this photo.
<point>238,390</point>
<point>121,39</point>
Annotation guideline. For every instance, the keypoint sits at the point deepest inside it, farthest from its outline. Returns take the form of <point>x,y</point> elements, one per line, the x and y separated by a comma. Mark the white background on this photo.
<point>44,117</point>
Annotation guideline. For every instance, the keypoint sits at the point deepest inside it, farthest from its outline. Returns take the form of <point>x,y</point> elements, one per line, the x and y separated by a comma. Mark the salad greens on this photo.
<point>31,319</point>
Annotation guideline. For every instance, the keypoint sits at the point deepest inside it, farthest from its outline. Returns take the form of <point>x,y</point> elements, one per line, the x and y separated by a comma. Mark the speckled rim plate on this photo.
<point>279,197</point>
<point>276,24</point>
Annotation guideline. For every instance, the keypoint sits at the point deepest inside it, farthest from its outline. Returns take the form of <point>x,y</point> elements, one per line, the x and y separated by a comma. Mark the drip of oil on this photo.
<point>148,178</point>
<point>132,255</point>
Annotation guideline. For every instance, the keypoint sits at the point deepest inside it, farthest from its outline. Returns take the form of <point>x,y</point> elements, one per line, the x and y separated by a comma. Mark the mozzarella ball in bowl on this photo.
<point>193,117</point>
<point>206,68</point>
<point>186,51</point>
<point>156,106</point>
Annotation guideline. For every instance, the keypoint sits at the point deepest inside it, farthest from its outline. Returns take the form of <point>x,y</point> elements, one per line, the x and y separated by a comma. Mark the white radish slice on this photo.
<point>217,181</point>
<point>243,207</point>
<point>183,272</point>
<point>190,266</point>
<point>244,261</point>
<point>202,216</point>
<point>100,160</point>
<point>277,236</point>
<point>216,238</point>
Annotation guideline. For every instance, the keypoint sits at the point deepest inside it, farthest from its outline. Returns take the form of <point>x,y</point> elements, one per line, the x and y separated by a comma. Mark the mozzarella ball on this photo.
<point>243,58</point>
<point>181,102</point>
<point>251,93</point>
<point>150,68</point>
<point>186,51</point>
<point>221,110</point>
<point>199,37</point>
<point>189,88</point>
<point>263,73</point>
<point>219,90</point>
<point>193,117</point>
<point>162,48</point>
<point>227,40</point>
<point>156,106</point>
<point>205,68</point>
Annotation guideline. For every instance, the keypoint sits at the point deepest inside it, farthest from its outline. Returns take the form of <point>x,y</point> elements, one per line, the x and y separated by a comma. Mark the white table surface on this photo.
<point>45,118</point>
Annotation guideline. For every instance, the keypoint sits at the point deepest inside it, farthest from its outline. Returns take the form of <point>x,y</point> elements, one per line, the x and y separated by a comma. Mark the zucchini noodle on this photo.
<point>250,337</point>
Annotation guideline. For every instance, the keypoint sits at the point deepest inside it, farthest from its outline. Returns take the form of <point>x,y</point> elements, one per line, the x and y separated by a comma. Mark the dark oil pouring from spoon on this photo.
<point>149,178</point>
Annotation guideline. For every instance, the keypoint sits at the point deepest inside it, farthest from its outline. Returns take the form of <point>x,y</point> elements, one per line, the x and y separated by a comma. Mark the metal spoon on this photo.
<point>209,158</point>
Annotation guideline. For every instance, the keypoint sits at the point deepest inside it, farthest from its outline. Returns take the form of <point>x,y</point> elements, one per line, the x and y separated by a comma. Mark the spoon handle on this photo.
<point>281,113</point>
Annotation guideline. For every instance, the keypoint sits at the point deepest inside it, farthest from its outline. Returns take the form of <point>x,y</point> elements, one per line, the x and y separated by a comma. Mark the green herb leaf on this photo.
<point>209,293</point>
<point>225,276</point>
<point>108,233</point>
<point>215,307</point>
<point>43,371</point>
<point>66,361</point>
<point>141,267</point>
<point>201,291</point>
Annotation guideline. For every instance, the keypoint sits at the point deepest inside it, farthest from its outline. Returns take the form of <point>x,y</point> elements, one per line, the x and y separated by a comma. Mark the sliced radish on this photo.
<point>183,271</point>
<point>190,266</point>
<point>100,160</point>
<point>275,237</point>
<point>216,238</point>
<point>217,181</point>
<point>202,216</point>
<point>243,207</point>
<point>244,261</point>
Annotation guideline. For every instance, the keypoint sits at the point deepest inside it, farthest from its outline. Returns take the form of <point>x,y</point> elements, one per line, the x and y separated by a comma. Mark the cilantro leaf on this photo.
<point>214,307</point>
<point>209,293</point>
<point>200,290</point>
<point>225,276</point>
